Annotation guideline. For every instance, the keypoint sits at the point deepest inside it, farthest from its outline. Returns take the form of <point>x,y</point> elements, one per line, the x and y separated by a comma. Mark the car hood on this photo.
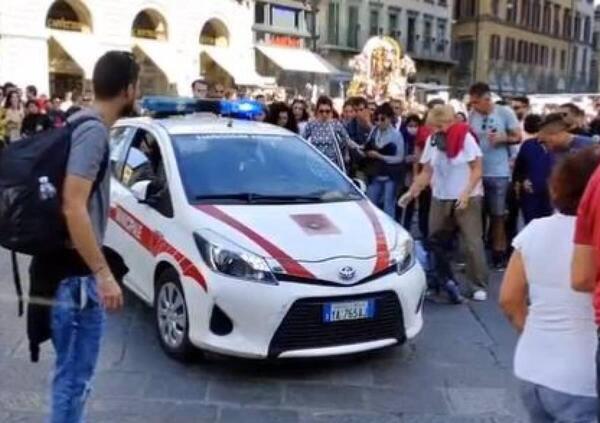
<point>305,232</point>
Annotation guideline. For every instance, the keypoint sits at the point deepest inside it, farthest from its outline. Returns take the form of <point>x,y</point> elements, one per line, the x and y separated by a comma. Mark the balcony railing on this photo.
<point>64,25</point>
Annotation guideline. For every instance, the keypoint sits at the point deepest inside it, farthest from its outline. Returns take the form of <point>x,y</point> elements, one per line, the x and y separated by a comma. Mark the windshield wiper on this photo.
<point>251,197</point>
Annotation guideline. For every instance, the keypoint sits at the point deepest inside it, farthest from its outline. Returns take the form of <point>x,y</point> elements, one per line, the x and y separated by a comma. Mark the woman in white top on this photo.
<point>452,165</point>
<point>554,358</point>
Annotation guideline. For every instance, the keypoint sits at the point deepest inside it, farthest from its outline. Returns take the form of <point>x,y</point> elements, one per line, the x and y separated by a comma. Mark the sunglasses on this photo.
<point>484,124</point>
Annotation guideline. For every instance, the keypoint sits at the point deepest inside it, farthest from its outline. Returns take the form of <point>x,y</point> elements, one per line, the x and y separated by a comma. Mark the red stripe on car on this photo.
<point>382,252</point>
<point>291,266</point>
<point>155,243</point>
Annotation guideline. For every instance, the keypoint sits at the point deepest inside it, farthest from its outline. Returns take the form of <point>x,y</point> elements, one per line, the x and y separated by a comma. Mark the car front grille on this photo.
<point>303,325</point>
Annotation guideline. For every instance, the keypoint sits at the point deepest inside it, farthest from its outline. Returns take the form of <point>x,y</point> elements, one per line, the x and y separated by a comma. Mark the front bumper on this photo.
<point>284,320</point>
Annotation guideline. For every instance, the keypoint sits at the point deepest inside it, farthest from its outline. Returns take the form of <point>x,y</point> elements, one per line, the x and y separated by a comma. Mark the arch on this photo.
<point>150,24</point>
<point>69,15</point>
<point>152,79</point>
<point>215,33</point>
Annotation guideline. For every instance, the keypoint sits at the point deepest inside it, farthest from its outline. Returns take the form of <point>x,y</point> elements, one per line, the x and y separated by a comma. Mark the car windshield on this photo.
<point>257,169</point>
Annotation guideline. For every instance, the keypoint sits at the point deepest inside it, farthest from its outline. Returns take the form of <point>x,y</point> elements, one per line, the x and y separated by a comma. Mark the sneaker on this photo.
<point>479,295</point>
<point>453,292</point>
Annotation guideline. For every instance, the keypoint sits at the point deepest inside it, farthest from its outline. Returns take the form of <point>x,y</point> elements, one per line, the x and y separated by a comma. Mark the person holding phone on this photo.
<point>497,129</point>
<point>452,164</point>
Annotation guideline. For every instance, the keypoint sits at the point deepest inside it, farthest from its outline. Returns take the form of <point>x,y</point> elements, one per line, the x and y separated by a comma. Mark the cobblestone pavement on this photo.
<point>456,371</point>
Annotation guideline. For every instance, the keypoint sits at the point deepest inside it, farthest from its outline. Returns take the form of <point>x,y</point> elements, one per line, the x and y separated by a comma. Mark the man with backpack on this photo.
<point>54,205</point>
<point>78,314</point>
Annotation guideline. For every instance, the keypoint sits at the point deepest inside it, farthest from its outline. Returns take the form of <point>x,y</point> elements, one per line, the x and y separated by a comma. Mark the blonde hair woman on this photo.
<point>452,166</point>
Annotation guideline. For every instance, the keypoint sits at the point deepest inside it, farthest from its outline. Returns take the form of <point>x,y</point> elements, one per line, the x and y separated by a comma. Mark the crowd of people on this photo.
<point>23,113</point>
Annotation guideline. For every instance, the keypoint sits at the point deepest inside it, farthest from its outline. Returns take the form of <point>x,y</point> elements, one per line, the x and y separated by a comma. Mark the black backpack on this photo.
<point>32,223</point>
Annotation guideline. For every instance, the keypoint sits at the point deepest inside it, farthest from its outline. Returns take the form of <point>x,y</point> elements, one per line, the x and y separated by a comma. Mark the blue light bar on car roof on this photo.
<point>162,106</point>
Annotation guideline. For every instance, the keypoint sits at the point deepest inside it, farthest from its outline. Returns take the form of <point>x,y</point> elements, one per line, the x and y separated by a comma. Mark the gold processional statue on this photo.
<point>381,71</point>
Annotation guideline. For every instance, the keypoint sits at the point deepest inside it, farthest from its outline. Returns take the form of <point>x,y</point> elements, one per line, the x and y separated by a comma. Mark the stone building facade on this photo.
<point>524,46</point>
<point>55,43</point>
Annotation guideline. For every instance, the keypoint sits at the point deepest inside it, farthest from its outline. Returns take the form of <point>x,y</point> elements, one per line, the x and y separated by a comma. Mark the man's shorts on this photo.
<point>495,191</point>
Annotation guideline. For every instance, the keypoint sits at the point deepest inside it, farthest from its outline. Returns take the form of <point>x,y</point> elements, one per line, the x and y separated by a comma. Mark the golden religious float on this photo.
<point>381,71</point>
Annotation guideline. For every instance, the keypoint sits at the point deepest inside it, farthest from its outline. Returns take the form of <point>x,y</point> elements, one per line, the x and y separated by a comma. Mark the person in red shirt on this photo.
<point>586,256</point>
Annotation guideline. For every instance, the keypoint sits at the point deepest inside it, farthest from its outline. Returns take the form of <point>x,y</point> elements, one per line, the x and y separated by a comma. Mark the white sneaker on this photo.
<point>479,295</point>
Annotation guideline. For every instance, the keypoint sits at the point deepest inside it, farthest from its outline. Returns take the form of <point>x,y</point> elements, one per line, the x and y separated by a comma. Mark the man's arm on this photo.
<point>76,193</point>
<point>584,268</point>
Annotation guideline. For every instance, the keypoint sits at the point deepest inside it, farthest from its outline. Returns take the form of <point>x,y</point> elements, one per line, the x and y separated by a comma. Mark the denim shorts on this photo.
<point>495,191</point>
<point>545,405</point>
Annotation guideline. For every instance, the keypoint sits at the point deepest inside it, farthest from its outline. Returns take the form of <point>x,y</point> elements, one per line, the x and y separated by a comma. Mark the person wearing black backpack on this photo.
<point>86,285</point>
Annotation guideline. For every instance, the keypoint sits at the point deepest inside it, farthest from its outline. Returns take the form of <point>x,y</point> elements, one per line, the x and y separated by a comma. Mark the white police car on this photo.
<point>248,242</point>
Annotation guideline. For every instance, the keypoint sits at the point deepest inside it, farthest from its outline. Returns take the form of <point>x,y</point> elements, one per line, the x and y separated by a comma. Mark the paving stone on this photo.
<point>248,415</point>
<point>23,418</point>
<point>173,387</point>
<point>144,409</point>
<point>240,392</point>
<point>472,401</point>
<point>119,384</point>
<point>422,399</point>
<point>24,401</point>
<point>324,397</point>
<point>342,417</point>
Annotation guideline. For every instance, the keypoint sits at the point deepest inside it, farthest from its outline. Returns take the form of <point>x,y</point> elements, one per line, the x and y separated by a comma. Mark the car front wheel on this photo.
<point>171,315</point>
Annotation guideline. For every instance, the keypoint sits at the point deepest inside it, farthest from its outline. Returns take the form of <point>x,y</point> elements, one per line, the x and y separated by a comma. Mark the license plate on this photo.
<point>351,310</point>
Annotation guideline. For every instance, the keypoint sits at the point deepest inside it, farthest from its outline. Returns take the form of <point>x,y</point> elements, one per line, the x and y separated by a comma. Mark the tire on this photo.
<point>171,317</point>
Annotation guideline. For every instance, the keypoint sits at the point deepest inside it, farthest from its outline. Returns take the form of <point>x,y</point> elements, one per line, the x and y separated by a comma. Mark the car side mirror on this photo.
<point>140,191</point>
<point>360,184</point>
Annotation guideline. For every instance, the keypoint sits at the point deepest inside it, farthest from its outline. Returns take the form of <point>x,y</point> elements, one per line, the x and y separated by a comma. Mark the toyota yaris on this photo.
<point>247,241</point>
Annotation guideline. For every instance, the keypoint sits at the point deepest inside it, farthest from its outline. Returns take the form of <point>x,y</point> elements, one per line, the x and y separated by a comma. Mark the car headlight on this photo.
<point>228,259</point>
<point>403,255</point>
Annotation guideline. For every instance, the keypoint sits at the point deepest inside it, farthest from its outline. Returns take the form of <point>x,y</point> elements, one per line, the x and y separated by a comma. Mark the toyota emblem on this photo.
<point>347,273</point>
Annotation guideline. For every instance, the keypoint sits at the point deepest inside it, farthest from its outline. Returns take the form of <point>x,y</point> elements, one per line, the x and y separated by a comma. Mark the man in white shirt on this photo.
<point>452,165</point>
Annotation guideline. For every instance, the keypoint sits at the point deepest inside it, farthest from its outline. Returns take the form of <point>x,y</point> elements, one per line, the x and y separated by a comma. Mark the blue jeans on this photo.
<point>546,405</point>
<point>77,327</point>
<point>383,190</point>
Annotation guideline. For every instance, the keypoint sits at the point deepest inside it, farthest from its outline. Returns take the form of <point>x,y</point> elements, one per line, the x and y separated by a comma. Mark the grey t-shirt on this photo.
<point>496,158</point>
<point>89,145</point>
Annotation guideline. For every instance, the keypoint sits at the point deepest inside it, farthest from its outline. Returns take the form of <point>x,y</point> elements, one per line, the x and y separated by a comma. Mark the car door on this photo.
<point>141,225</point>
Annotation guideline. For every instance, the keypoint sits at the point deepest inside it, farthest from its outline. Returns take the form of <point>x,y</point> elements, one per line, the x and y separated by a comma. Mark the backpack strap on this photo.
<point>17,281</point>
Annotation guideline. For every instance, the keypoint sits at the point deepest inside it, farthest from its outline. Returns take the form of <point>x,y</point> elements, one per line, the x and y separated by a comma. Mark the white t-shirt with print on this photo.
<point>451,176</point>
<point>558,344</point>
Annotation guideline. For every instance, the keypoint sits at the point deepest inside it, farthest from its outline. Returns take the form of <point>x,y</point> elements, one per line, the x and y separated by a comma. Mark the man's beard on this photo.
<point>129,110</point>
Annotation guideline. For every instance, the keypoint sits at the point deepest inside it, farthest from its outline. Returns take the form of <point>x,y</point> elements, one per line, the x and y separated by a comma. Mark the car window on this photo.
<point>118,145</point>
<point>224,168</point>
<point>144,159</point>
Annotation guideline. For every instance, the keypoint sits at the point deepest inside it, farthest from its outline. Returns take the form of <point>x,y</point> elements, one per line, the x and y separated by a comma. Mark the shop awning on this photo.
<point>241,72</point>
<point>82,48</point>
<point>162,54</point>
<point>298,60</point>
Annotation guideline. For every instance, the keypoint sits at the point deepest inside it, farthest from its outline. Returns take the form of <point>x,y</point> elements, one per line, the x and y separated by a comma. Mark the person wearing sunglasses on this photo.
<point>385,156</point>
<point>497,128</point>
<point>328,135</point>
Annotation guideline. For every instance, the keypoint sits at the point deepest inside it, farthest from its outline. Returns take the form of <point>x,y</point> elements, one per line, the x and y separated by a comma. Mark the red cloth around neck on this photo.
<point>455,138</point>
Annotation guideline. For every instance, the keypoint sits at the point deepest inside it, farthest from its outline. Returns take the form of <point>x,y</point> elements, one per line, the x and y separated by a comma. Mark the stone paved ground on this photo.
<point>456,371</point>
